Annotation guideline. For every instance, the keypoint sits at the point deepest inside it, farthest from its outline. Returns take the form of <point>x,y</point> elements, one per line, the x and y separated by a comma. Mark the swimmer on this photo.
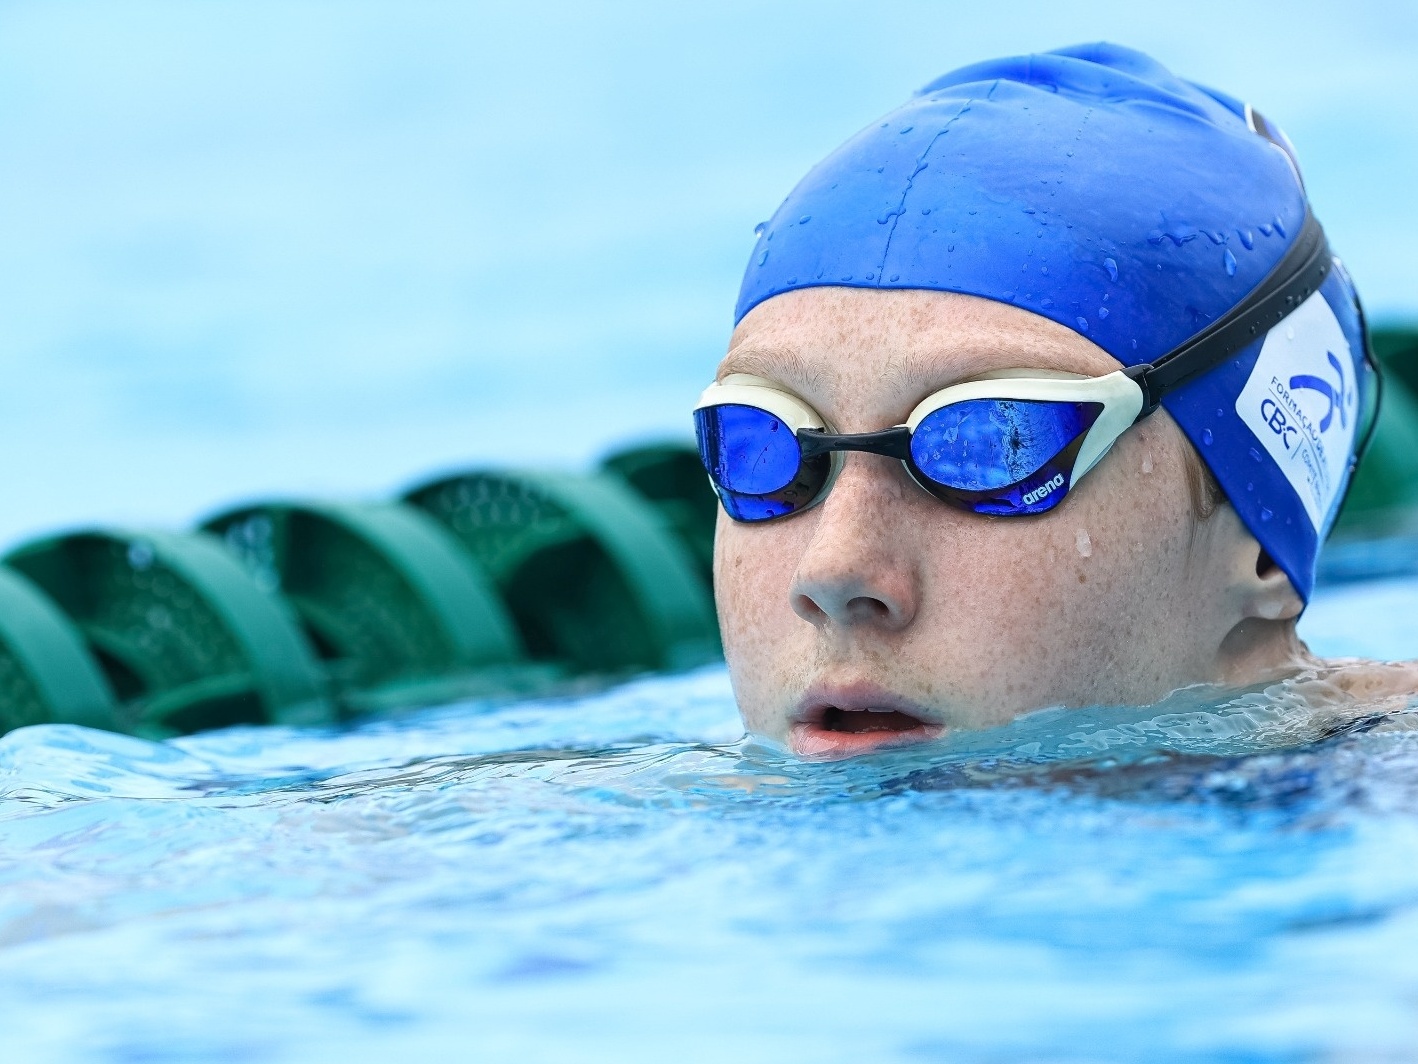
<point>1044,390</point>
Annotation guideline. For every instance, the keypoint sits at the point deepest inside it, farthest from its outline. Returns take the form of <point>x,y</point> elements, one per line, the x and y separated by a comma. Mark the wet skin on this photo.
<point>884,617</point>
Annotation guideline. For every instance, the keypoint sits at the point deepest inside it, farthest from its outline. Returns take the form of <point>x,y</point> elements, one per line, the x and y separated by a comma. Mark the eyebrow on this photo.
<point>782,364</point>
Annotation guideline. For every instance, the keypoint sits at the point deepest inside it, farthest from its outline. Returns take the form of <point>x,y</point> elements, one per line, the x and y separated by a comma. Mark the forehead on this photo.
<point>832,340</point>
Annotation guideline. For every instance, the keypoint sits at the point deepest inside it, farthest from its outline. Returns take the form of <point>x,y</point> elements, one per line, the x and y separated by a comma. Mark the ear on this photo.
<point>1259,588</point>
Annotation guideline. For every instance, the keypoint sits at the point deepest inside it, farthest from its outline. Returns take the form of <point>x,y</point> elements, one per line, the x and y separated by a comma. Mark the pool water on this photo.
<point>620,876</point>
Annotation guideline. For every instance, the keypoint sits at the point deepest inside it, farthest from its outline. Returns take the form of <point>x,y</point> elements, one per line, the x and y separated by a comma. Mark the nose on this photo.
<point>858,569</point>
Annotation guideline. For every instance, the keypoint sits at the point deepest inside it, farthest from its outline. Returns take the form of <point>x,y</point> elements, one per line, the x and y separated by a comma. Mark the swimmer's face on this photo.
<point>882,616</point>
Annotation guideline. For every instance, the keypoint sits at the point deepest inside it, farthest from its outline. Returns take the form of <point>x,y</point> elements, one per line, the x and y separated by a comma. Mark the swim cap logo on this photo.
<point>1335,395</point>
<point>1301,404</point>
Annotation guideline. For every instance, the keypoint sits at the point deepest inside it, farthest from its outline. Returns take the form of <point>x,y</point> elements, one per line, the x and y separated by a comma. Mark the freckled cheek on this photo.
<point>753,572</point>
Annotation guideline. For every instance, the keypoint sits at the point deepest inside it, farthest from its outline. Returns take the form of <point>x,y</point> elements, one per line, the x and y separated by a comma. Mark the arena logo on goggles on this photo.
<point>1044,492</point>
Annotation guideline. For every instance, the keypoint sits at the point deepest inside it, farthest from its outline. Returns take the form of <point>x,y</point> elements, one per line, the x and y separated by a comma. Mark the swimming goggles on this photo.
<point>1006,443</point>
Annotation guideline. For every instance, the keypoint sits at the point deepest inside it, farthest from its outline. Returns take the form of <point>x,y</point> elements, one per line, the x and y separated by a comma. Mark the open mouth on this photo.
<point>857,723</point>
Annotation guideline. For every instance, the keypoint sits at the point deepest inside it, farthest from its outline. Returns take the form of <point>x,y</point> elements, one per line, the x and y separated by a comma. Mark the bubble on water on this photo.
<point>1206,437</point>
<point>1083,544</point>
<point>1112,268</point>
<point>1229,261</point>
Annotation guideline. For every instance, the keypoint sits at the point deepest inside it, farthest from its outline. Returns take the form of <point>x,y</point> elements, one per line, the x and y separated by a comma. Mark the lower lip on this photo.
<point>812,740</point>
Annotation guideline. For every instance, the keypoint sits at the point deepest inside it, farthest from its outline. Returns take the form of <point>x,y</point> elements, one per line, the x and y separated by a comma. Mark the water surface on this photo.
<point>620,876</point>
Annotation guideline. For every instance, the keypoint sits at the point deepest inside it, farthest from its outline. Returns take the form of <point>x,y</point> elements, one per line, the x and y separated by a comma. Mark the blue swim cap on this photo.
<point>1092,186</point>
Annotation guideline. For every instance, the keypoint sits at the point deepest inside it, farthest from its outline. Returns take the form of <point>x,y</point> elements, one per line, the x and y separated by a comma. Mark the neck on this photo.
<point>1258,650</point>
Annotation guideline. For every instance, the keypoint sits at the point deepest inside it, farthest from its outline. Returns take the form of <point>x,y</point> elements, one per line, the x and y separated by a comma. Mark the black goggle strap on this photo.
<point>1294,279</point>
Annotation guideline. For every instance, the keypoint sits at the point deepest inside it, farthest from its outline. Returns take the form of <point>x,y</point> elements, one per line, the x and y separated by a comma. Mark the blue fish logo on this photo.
<point>1335,396</point>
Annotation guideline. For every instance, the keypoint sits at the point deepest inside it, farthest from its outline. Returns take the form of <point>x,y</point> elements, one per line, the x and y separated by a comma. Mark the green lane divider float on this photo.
<point>1383,500</point>
<point>592,572</point>
<point>671,477</point>
<point>1396,347</point>
<point>398,610</point>
<point>46,674</point>
<point>185,638</point>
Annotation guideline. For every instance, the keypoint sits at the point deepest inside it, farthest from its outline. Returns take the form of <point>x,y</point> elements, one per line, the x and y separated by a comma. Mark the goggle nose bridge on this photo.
<point>889,443</point>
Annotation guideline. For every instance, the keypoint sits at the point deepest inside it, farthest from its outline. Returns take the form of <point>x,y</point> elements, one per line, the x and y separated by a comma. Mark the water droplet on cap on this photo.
<point>1230,262</point>
<point>1248,239</point>
<point>805,219</point>
<point>1102,312</point>
<point>1112,268</point>
<point>1265,515</point>
<point>763,258</point>
<point>1206,437</point>
<point>1082,323</point>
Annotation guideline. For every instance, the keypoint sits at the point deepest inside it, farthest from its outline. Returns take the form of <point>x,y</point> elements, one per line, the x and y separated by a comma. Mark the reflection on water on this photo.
<point>622,876</point>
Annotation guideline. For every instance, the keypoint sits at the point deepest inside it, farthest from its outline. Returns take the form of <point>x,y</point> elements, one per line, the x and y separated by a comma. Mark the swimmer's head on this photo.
<point>1040,229</point>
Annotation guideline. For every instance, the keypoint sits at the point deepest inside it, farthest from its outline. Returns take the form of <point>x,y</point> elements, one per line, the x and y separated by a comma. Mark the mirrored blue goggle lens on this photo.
<point>755,462</point>
<point>1002,456</point>
<point>745,449</point>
